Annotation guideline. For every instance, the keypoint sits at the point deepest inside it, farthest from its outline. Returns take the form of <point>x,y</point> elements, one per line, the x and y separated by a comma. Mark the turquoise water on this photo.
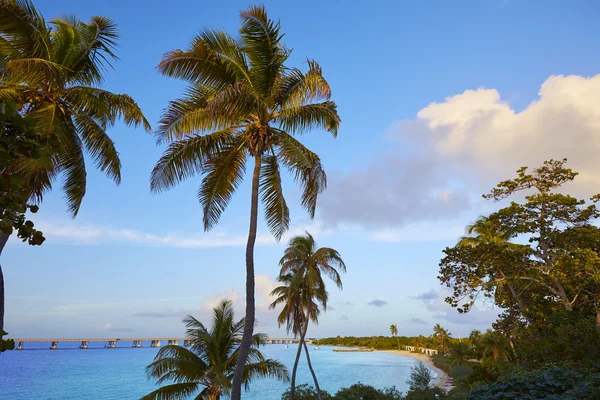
<point>106,374</point>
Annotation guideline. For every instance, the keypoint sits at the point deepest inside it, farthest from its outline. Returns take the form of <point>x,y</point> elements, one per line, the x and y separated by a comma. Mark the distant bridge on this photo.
<point>111,343</point>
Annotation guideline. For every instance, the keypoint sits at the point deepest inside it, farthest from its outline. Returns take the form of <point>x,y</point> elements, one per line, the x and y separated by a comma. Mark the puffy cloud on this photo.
<point>377,303</point>
<point>111,328</point>
<point>457,149</point>
<point>418,321</point>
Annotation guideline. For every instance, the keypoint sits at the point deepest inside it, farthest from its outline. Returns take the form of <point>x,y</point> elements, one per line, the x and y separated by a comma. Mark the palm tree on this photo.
<point>475,338</point>
<point>52,72</point>
<point>243,102</point>
<point>419,342</point>
<point>303,292</point>
<point>495,345</point>
<point>394,332</point>
<point>206,369</point>
<point>441,337</point>
<point>459,354</point>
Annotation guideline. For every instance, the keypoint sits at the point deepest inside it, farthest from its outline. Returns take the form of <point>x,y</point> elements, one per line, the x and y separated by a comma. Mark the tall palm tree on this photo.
<point>206,369</point>
<point>441,337</point>
<point>303,292</point>
<point>459,354</point>
<point>243,102</point>
<point>394,332</point>
<point>53,72</point>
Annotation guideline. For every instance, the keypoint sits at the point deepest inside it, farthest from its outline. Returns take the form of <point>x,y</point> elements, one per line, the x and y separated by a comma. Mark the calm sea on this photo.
<point>98,373</point>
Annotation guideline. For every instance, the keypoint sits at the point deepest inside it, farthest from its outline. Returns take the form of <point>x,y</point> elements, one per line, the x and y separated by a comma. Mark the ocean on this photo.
<point>98,373</point>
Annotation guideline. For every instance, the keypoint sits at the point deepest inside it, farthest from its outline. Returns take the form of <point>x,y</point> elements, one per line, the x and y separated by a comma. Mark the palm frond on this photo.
<point>24,29</point>
<point>107,106</point>
<point>277,212</point>
<point>175,391</point>
<point>187,157</point>
<point>261,40</point>
<point>305,117</point>
<point>306,167</point>
<point>224,172</point>
<point>265,369</point>
<point>296,88</point>
<point>198,65</point>
<point>99,145</point>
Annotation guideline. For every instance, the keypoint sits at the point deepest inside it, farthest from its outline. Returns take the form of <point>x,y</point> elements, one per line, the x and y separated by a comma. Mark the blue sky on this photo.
<point>439,101</point>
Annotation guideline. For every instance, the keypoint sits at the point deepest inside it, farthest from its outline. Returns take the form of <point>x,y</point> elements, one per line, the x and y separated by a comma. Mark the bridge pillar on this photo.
<point>54,346</point>
<point>20,346</point>
<point>112,344</point>
<point>187,343</point>
<point>84,344</point>
<point>155,343</point>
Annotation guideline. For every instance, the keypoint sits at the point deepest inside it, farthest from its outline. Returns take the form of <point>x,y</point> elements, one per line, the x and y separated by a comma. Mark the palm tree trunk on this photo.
<point>236,390</point>
<point>312,371</point>
<point>302,342</point>
<point>293,387</point>
<point>3,240</point>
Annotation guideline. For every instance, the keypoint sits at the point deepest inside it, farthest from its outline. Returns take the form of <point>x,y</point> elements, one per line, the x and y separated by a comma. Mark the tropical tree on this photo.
<point>52,72</point>
<point>206,369</point>
<point>495,345</point>
<point>441,336</point>
<point>303,293</point>
<point>394,332</point>
<point>459,354</point>
<point>244,103</point>
<point>419,340</point>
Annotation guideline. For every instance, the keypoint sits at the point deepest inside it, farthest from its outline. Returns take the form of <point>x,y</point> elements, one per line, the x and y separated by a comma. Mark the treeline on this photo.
<point>378,342</point>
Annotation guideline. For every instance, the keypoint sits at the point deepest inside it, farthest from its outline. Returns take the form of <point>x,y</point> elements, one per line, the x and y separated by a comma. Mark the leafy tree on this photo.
<point>305,392</point>
<point>559,268</point>
<point>420,377</point>
<point>303,291</point>
<point>52,72</point>
<point>243,102</point>
<point>459,354</point>
<point>206,369</point>
<point>19,141</point>
<point>394,332</point>
<point>360,391</point>
<point>550,384</point>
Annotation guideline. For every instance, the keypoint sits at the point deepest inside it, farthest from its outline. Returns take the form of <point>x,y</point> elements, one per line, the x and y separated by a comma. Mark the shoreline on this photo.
<point>442,380</point>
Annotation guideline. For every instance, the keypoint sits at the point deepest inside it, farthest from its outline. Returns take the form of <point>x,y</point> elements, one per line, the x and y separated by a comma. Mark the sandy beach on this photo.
<point>442,380</point>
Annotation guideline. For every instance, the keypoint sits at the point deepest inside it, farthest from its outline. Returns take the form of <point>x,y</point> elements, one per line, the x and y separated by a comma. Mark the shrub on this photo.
<point>548,384</point>
<point>359,391</point>
<point>306,392</point>
<point>420,377</point>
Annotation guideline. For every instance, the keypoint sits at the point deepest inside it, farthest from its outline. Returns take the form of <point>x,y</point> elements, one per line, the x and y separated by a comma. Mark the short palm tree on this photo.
<point>394,332</point>
<point>441,337</point>
<point>206,369</point>
<point>459,354</point>
<point>244,103</point>
<point>52,72</point>
<point>303,293</point>
<point>495,345</point>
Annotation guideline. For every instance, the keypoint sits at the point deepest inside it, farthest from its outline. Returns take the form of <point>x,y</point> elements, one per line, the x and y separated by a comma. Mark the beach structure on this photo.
<point>429,352</point>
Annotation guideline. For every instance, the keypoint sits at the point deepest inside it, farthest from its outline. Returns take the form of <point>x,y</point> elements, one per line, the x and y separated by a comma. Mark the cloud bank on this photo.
<point>441,162</point>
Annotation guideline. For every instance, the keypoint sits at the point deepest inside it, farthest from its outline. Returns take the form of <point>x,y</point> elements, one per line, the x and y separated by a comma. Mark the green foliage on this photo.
<point>550,384</point>
<point>306,392</point>
<point>19,143</point>
<point>360,391</point>
<point>378,342</point>
<point>207,367</point>
<point>568,339</point>
<point>52,72</point>
<point>6,344</point>
<point>420,377</point>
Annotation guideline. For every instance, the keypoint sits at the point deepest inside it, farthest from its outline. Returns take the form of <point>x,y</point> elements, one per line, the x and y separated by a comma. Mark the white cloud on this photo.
<point>81,233</point>
<point>481,315</point>
<point>428,184</point>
